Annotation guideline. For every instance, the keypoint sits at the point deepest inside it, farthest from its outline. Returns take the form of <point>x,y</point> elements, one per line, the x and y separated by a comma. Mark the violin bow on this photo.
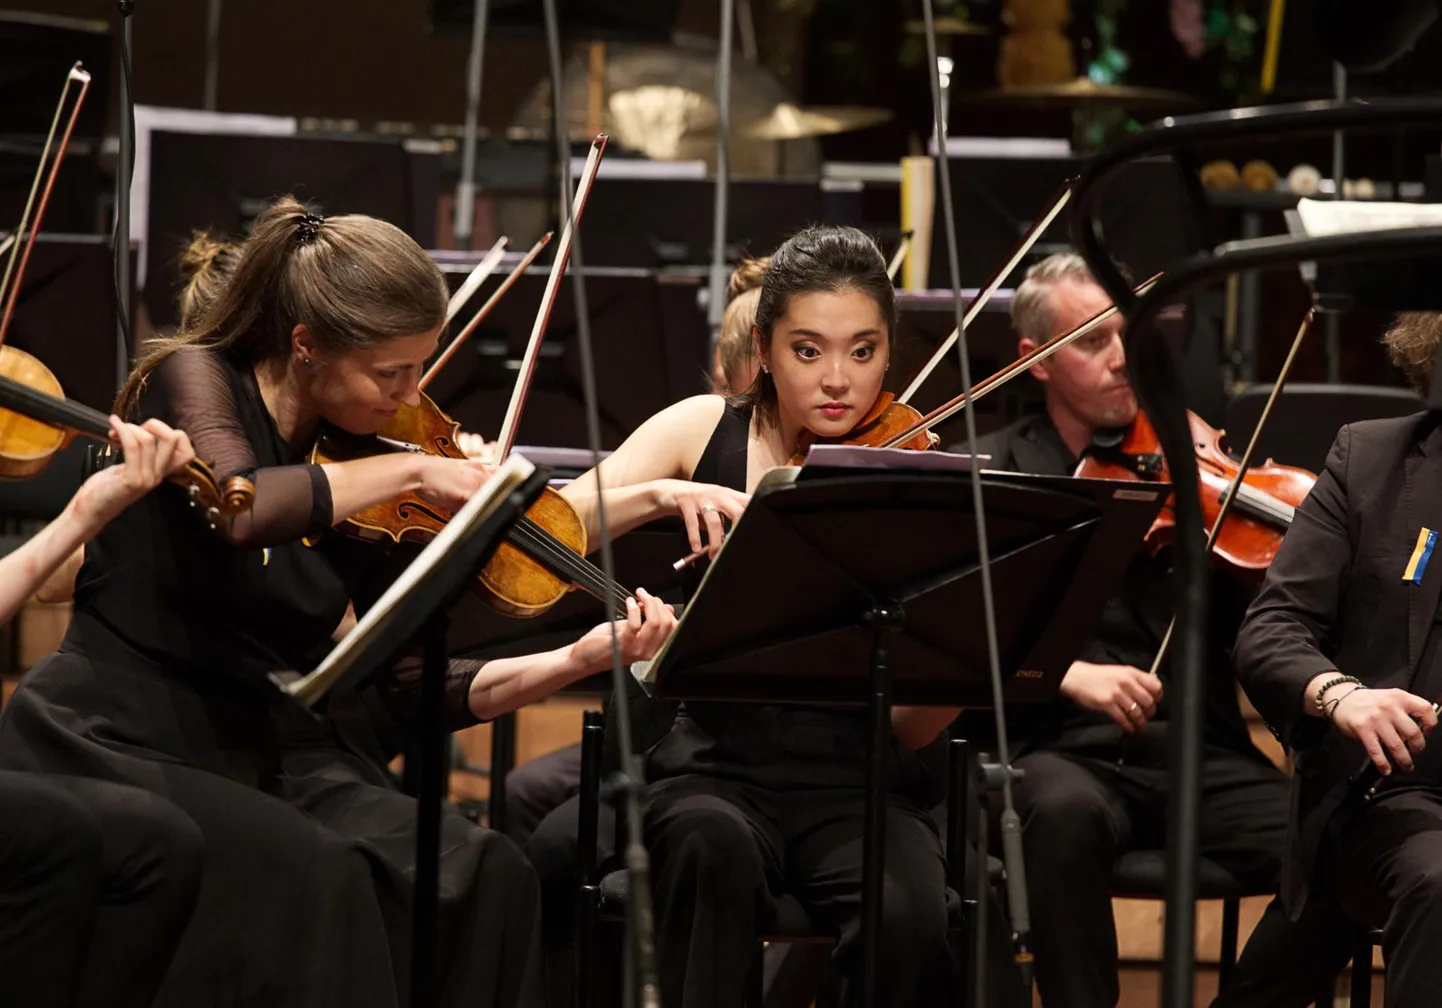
<point>984,295</point>
<point>1230,495</point>
<point>990,384</point>
<point>478,275</point>
<point>480,316</point>
<point>899,256</point>
<point>1010,821</point>
<point>24,236</point>
<point>507,437</point>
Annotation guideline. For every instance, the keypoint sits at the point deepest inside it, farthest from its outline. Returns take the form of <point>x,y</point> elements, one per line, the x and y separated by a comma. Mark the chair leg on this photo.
<point>1231,913</point>
<point>1362,969</point>
<point>588,892</point>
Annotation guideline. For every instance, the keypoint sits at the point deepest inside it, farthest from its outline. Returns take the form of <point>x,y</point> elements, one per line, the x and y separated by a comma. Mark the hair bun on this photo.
<point>747,275</point>
<point>202,252</point>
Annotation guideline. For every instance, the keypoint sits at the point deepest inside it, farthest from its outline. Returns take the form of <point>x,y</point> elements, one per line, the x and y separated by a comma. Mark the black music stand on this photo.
<point>420,612</point>
<point>870,588</point>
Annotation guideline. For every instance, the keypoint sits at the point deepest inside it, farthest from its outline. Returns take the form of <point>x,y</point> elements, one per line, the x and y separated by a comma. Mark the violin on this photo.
<point>886,419</point>
<point>1266,499</point>
<point>881,425</point>
<point>36,421</point>
<point>543,556</point>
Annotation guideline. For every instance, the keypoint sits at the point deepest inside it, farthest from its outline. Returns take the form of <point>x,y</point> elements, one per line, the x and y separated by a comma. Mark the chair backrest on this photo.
<point>1305,421</point>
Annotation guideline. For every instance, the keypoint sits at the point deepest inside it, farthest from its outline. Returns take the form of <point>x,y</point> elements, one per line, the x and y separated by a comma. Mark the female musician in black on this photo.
<point>162,680</point>
<point>97,880</point>
<point>746,801</point>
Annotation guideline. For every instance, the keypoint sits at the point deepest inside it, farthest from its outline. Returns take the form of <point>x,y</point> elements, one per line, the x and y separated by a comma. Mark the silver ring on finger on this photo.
<point>1134,708</point>
<point>708,508</point>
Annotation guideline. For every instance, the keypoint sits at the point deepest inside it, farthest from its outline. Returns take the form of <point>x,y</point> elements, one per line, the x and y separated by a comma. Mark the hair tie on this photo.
<point>306,230</point>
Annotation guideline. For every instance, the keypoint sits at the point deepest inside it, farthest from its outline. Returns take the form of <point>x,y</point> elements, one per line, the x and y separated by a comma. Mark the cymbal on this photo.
<point>1079,92</point>
<point>947,26</point>
<point>793,122</point>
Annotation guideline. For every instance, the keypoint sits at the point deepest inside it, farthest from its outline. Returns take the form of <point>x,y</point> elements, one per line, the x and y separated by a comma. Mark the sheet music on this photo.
<point>1321,218</point>
<point>511,474</point>
<point>864,457</point>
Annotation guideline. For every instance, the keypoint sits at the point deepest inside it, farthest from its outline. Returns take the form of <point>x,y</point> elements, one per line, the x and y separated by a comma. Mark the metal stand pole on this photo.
<point>1339,176</point>
<point>212,54</point>
<point>124,280</point>
<point>466,188</point>
<point>716,305</point>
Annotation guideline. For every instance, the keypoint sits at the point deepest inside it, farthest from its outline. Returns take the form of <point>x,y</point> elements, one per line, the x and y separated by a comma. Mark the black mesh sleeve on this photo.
<point>195,391</point>
<point>400,690</point>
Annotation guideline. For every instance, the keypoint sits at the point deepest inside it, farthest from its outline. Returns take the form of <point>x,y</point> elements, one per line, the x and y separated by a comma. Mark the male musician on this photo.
<point>1095,782</point>
<point>1340,653</point>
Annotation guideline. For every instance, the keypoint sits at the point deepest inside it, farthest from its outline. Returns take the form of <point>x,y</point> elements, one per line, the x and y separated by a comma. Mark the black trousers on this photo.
<point>1386,869</point>
<point>538,787</point>
<point>1080,811</point>
<point>97,882</point>
<point>723,852</point>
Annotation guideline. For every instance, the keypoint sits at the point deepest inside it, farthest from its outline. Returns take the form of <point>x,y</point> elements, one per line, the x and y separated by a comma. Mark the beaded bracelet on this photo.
<point>1331,709</point>
<point>1334,681</point>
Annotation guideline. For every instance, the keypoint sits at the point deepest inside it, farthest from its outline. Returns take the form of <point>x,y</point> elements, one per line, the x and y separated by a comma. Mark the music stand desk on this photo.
<point>857,586</point>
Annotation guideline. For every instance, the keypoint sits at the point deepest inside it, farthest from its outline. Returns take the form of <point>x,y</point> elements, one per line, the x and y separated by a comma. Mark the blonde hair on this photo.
<point>747,275</point>
<point>1411,345</point>
<point>1031,304</point>
<point>353,281</point>
<point>206,265</point>
<point>737,343</point>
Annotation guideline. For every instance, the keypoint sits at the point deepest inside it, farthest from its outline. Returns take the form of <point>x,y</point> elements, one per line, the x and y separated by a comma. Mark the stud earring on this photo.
<point>305,361</point>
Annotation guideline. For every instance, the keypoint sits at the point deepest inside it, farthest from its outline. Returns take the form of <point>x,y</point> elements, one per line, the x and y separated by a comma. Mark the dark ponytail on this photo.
<point>353,280</point>
<point>821,258</point>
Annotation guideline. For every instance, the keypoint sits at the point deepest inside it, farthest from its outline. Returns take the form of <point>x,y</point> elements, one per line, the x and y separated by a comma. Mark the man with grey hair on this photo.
<point>1095,782</point>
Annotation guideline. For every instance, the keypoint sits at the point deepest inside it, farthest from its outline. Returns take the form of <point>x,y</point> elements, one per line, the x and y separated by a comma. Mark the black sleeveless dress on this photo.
<point>161,682</point>
<point>774,746</point>
<point>748,803</point>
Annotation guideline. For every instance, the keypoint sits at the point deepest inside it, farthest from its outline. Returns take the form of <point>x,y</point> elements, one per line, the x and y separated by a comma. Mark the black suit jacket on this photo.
<point>1131,626</point>
<point>1335,598</point>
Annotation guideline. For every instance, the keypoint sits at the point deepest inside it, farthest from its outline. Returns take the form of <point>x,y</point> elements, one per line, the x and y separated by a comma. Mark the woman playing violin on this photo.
<point>749,801</point>
<point>163,678</point>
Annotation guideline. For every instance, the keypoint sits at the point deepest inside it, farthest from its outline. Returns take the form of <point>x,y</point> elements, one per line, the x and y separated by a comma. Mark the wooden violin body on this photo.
<point>36,421</point>
<point>27,445</point>
<point>1266,499</point>
<point>886,419</point>
<point>514,582</point>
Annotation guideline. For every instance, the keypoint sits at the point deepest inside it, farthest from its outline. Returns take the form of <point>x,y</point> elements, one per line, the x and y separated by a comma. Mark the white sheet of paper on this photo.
<point>863,457</point>
<point>309,688</point>
<point>1322,218</point>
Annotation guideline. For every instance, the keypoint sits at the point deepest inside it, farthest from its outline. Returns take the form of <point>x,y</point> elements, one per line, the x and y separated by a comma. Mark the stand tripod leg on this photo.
<point>430,747</point>
<point>883,619</point>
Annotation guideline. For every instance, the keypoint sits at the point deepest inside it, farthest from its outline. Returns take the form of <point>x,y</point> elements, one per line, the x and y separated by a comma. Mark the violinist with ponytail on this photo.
<point>162,680</point>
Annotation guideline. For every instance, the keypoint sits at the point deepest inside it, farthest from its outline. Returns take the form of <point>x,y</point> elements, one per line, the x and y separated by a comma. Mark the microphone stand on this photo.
<point>466,189</point>
<point>1010,821</point>
<point>642,986</point>
<point>124,281</point>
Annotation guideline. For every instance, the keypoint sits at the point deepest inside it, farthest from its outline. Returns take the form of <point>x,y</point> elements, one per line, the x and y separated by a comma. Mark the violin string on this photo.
<point>546,548</point>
